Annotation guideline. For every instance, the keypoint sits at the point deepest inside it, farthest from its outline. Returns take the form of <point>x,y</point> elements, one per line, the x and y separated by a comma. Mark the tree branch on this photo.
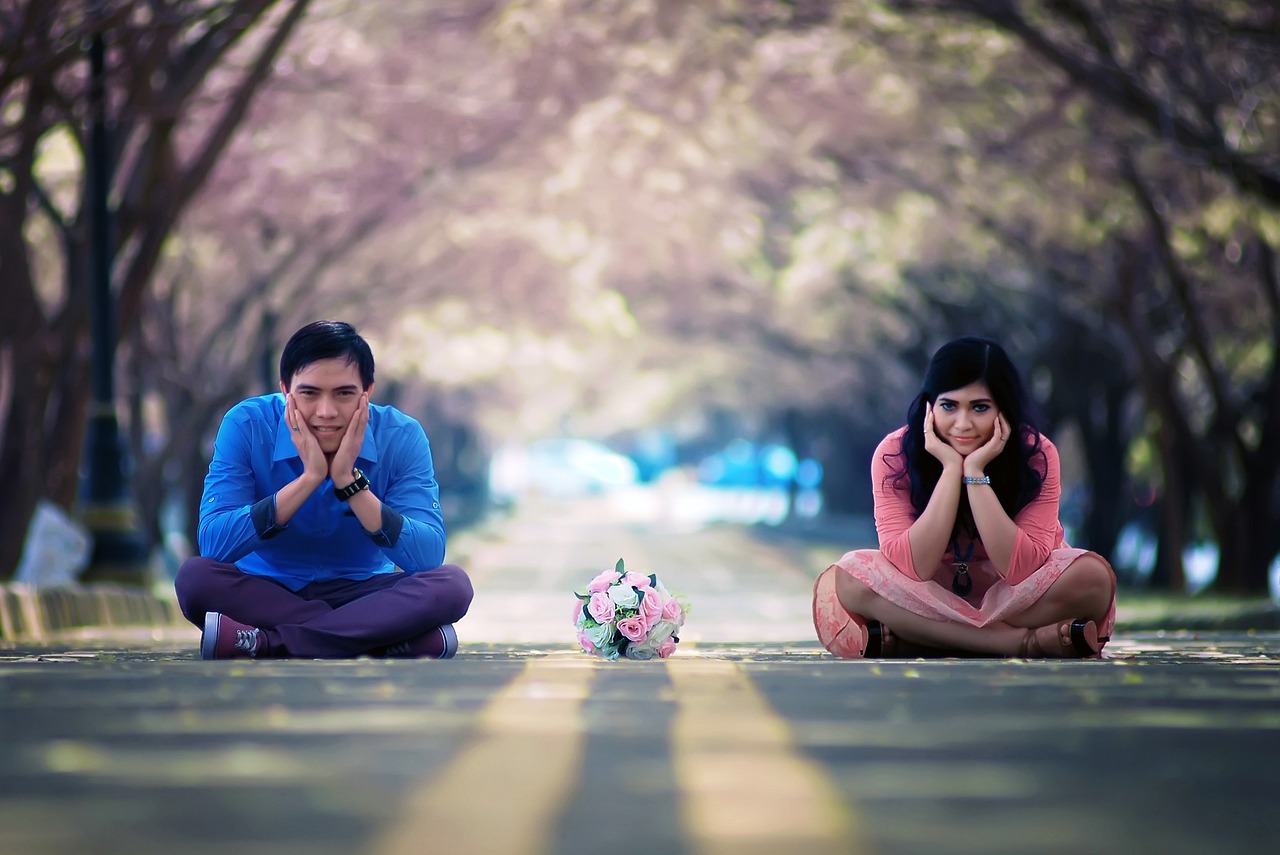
<point>1112,84</point>
<point>1227,414</point>
<point>174,199</point>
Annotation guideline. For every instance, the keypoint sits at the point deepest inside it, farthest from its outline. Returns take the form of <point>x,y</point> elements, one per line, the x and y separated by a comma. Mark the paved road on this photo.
<point>750,739</point>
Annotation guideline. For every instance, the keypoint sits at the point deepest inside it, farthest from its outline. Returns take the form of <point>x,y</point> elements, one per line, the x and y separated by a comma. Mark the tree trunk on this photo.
<point>43,434</point>
<point>1172,538</point>
<point>1246,544</point>
<point>845,455</point>
<point>20,463</point>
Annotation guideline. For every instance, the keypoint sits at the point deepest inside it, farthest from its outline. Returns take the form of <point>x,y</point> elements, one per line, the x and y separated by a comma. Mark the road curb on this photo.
<point>28,613</point>
<point>1251,621</point>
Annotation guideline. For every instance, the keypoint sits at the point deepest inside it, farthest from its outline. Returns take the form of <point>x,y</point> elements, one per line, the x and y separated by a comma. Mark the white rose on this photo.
<point>600,634</point>
<point>661,631</point>
<point>624,596</point>
<point>641,651</point>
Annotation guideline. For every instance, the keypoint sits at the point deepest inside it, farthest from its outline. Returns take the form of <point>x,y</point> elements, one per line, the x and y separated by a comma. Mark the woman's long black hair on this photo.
<point>1014,478</point>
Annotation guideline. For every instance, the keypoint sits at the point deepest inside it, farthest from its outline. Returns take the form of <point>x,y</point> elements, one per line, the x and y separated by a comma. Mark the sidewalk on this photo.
<point>34,614</point>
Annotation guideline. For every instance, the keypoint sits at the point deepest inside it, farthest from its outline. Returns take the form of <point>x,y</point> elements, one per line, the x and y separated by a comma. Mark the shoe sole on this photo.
<point>209,639</point>
<point>450,641</point>
<point>1084,638</point>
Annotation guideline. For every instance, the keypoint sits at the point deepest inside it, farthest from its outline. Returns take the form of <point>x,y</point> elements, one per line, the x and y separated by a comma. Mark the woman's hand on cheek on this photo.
<point>934,443</point>
<point>990,449</point>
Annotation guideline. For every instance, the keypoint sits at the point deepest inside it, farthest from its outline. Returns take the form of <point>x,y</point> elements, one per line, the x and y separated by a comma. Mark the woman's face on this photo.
<point>965,418</point>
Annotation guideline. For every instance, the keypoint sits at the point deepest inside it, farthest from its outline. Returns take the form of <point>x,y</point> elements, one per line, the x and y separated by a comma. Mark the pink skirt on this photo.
<point>990,601</point>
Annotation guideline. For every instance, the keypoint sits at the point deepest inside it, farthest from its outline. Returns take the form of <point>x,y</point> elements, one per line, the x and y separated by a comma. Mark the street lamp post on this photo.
<point>119,553</point>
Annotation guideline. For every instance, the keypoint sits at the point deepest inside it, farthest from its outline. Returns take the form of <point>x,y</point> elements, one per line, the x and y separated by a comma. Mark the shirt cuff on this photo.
<point>263,514</point>
<point>392,525</point>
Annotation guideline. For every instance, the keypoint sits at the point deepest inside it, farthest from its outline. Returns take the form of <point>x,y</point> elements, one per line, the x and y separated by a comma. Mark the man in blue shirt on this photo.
<point>320,530</point>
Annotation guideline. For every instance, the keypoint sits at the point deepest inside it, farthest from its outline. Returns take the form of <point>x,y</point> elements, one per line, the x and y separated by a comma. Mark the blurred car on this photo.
<point>745,464</point>
<point>564,467</point>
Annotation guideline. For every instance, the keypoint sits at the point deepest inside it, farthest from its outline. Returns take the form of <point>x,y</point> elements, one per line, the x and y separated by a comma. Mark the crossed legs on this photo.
<point>1084,590</point>
<point>339,618</point>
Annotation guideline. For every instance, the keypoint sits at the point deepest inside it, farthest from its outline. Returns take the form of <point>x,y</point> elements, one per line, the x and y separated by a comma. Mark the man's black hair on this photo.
<point>326,340</point>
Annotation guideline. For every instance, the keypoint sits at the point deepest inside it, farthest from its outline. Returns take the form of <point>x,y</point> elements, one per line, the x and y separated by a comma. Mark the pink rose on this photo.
<point>577,611</point>
<point>651,606</point>
<point>586,642</point>
<point>647,622</point>
<point>600,607</point>
<point>603,581</point>
<point>632,628</point>
<point>639,580</point>
<point>666,648</point>
<point>671,609</point>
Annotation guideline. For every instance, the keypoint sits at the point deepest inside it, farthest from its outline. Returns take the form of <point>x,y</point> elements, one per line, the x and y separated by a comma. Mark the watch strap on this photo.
<point>361,483</point>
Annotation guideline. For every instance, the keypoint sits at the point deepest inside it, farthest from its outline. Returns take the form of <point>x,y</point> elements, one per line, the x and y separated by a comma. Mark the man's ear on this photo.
<point>369,391</point>
<point>283,388</point>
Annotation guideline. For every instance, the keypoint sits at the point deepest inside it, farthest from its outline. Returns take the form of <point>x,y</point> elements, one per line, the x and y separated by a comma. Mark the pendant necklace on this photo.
<point>961,583</point>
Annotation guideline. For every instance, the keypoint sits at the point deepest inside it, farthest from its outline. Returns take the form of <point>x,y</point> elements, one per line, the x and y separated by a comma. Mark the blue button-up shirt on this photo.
<point>254,456</point>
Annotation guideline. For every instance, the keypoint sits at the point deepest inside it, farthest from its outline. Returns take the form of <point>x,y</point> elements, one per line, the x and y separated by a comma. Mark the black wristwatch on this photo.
<point>361,483</point>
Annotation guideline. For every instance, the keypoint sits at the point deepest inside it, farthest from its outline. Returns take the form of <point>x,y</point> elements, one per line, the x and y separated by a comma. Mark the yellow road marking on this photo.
<point>744,787</point>
<point>505,792</point>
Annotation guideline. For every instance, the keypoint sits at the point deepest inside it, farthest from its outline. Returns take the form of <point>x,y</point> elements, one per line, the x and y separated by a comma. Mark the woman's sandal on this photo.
<point>877,635</point>
<point>1081,641</point>
<point>882,643</point>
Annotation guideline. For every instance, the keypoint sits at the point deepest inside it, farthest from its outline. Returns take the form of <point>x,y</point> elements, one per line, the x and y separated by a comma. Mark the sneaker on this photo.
<point>438,643</point>
<point>227,639</point>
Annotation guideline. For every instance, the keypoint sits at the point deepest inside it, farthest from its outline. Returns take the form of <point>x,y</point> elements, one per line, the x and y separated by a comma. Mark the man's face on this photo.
<point>326,393</point>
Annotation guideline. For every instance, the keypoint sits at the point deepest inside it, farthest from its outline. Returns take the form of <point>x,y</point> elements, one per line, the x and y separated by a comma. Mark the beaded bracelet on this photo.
<point>984,479</point>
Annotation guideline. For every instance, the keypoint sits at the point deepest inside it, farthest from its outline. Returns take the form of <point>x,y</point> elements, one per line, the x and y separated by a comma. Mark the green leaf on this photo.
<point>619,566</point>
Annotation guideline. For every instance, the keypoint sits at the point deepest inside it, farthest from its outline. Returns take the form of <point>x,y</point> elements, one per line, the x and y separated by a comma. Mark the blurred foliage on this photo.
<point>749,217</point>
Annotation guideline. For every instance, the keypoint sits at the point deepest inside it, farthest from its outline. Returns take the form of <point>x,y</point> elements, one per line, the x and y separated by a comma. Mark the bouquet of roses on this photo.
<point>624,613</point>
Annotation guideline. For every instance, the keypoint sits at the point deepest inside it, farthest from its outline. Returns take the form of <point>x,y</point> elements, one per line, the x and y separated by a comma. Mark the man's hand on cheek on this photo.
<point>344,459</point>
<point>304,440</point>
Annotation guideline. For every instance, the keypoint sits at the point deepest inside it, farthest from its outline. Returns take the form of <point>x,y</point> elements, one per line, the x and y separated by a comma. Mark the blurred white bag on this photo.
<point>56,551</point>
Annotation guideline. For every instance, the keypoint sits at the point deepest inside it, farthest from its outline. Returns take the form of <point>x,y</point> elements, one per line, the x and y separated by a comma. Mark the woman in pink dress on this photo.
<point>972,559</point>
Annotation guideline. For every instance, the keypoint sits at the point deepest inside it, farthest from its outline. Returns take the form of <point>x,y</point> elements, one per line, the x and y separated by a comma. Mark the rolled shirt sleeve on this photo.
<point>227,530</point>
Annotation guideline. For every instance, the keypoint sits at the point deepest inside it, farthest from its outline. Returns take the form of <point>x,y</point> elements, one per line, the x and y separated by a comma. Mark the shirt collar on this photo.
<point>285,449</point>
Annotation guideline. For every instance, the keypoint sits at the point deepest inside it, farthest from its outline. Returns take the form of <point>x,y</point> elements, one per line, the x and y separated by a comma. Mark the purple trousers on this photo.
<point>326,620</point>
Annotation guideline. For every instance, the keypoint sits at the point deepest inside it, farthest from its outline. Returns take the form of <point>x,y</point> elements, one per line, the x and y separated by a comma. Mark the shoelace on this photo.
<point>246,640</point>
